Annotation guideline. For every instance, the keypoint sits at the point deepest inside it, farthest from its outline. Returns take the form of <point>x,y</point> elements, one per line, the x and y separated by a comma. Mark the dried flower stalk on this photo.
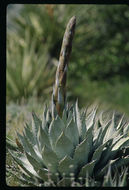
<point>59,90</point>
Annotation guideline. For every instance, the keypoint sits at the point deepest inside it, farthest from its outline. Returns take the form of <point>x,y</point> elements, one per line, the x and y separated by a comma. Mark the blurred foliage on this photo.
<point>28,73</point>
<point>99,63</point>
<point>18,115</point>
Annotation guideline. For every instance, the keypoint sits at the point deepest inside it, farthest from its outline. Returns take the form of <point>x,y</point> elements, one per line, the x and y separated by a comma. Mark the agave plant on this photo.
<point>73,144</point>
<point>67,143</point>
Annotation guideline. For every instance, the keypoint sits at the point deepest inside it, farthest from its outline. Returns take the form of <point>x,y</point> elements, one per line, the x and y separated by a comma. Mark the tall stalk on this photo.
<point>59,89</point>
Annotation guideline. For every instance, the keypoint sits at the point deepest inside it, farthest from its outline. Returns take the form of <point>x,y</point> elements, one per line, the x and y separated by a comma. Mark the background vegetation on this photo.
<point>99,63</point>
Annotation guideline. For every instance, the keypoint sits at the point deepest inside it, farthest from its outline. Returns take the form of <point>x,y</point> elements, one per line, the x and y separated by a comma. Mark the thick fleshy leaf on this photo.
<point>23,142</point>
<point>48,116</point>
<point>29,148</point>
<point>63,146</point>
<point>43,138</point>
<point>117,139</point>
<point>88,168</point>
<point>107,154</point>
<point>110,132</point>
<point>83,125</point>
<point>71,132</point>
<point>33,150</point>
<point>50,159</point>
<point>102,172</point>
<point>36,165</point>
<point>44,117</point>
<point>64,117</point>
<point>11,145</point>
<point>56,127</point>
<point>97,154</point>
<point>82,152</point>
<point>70,116</point>
<point>78,118</point>
<point>97,134</point>
<point>24,163</point>
<point>90,119</point>
<point>98,124</point>
<point>122,179</point>
<point>101,135</point>
<point>108,181</point>
<point>120,123</point>
<point>29,135</point>
<point>126,129</point>
<point>67,166</point>
<point>53,105</point>
<point>36,122</point>
<point>117,163</point>
<point>101,122</point>
<point>122,142</point>
<point>89,135</point>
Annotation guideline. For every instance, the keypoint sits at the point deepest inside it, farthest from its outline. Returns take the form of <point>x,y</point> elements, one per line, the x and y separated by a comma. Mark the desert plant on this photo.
<point>69,144</point>
<point>28,73</point>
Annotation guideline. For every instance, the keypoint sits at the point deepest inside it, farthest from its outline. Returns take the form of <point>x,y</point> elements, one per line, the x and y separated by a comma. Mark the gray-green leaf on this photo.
<point>56,127</point>
<point>82,152</point>
<point>67,166</point>
<point>50,159</point>
<point>71,132</point>
<point>63,146</point>
<point>88,168</point>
